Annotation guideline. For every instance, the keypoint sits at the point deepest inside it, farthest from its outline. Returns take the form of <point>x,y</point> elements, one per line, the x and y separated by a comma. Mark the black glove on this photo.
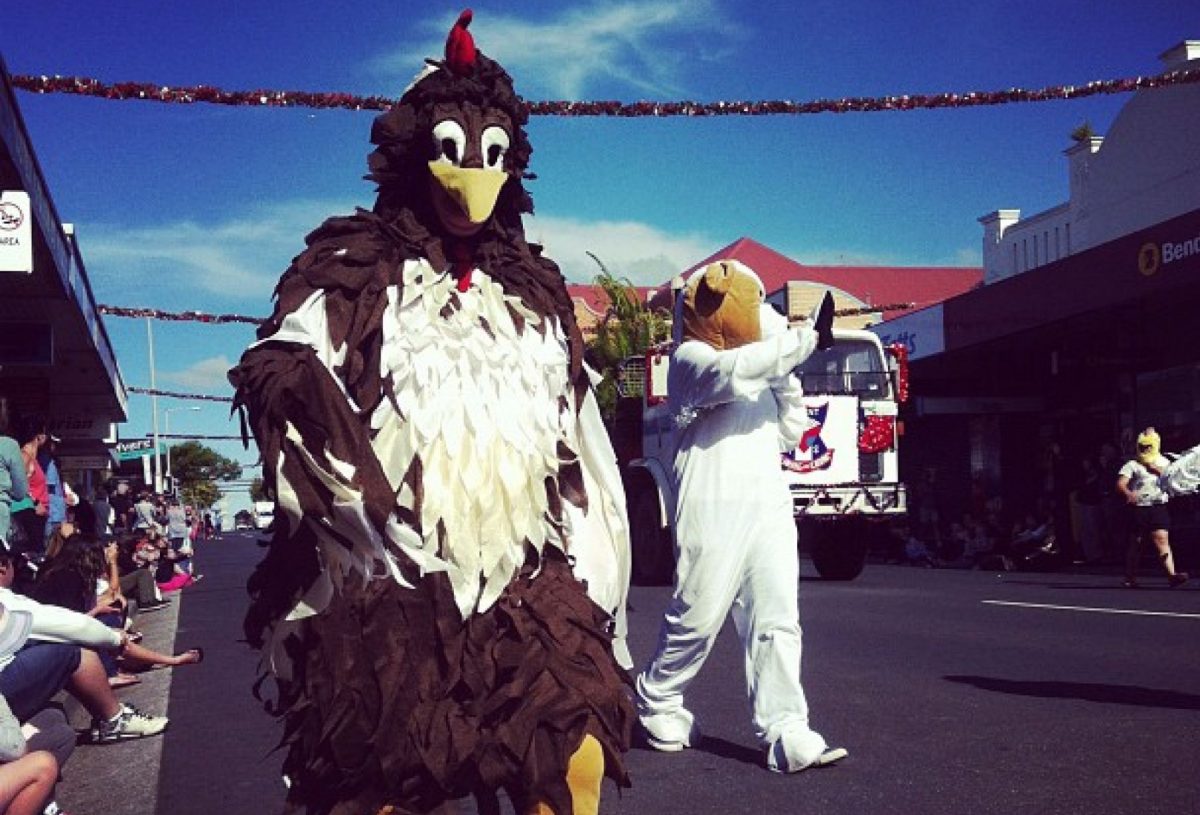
<point>822,318</point>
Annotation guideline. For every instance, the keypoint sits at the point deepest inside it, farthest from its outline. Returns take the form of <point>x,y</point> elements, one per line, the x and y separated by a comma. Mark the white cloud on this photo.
<point>240,257</point>
<point>645,255</point>
<point>642,45</point>
<point>207,375</point>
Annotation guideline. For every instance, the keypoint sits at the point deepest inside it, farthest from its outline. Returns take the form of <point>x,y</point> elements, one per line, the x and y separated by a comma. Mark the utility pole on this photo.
<point>158,484</point>
<point>167,432</point>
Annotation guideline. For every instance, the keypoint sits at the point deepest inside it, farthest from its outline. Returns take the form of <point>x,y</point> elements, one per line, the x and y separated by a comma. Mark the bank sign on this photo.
<point>1154,256</point>
<point>16,232</point>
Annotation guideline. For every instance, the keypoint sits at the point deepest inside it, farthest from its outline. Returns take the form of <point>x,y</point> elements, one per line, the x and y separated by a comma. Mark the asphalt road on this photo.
<point>955,692</point>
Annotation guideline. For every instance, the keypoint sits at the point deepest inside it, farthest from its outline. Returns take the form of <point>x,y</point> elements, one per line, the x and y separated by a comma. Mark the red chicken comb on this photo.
<point>460,46</point>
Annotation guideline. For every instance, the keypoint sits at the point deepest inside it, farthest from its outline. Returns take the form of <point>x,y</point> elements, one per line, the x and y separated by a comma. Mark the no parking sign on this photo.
<point>16,232</point>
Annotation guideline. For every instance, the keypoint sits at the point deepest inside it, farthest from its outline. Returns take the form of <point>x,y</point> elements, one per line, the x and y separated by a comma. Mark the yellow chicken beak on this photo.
<point>474,190</point>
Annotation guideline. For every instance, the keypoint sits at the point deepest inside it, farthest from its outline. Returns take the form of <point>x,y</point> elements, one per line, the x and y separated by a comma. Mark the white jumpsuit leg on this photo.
<point>766,613</point>
<point>709,577</point>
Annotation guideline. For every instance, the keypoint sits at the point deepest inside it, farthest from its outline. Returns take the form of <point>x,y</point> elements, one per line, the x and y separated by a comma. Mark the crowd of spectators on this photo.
<point>75,575</point>
<point>1075,515</point>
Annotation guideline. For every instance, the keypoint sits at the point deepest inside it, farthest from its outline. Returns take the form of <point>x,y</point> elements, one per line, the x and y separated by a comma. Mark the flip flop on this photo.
<point>199,652</point>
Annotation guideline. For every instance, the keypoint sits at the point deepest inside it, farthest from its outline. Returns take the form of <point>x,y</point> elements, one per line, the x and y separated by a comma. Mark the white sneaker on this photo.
<point>672,745</point>
<point>130,723</point>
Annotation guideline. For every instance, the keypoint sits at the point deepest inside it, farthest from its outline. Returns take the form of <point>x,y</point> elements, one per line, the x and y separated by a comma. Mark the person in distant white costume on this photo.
<point>733,393</point>
<point>1182,475</point>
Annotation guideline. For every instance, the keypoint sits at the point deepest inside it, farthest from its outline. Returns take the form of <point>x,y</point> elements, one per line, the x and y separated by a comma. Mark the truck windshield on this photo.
<point>850,367</point>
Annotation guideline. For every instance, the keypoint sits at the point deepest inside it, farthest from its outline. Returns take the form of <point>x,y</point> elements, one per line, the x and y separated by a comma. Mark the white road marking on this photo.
<point>1135,612</point>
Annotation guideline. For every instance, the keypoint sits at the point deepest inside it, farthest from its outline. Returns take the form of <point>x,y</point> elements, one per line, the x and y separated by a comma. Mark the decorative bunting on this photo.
<point>301,99</point>
<point>900,351</point>
<point>177,395</point>
<point>178,316</point>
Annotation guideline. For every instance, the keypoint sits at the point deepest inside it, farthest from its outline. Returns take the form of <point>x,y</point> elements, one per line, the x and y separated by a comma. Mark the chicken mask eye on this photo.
<point>494,144</point>
<point>449,142</point>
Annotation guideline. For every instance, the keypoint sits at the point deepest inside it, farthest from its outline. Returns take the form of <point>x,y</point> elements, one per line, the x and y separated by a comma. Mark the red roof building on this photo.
<point>904,288</point>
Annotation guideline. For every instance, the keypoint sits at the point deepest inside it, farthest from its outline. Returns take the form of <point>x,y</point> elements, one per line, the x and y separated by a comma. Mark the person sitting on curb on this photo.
<point>55,652</point>
<point>26,777</point>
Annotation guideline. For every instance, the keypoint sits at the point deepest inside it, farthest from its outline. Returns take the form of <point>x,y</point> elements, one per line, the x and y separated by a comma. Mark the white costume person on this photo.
<point>1182,476</point>
<point>736,538</point>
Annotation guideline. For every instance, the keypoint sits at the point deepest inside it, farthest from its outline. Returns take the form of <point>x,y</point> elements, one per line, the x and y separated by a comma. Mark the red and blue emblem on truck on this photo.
<point>812,453</point>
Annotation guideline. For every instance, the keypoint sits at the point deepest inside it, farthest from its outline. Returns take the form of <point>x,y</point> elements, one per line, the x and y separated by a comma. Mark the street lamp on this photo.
<point>167,433</point>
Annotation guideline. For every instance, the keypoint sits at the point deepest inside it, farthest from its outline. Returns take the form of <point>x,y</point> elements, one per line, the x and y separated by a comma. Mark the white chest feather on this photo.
<point>480,400</point>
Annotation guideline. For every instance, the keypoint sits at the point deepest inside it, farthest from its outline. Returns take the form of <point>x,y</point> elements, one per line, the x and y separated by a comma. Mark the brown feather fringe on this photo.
<point>399,702</point>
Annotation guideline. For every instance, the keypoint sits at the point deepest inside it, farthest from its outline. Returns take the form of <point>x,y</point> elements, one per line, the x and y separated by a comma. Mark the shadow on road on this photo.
<point>1088,691</point>
<point>727,749</point>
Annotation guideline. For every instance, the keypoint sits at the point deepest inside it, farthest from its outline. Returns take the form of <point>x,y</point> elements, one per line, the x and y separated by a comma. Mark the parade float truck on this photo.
<point>844,474</point>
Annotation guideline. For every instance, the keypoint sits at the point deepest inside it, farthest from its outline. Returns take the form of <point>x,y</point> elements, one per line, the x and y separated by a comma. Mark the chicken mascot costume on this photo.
<point>738,404</point>
<point>428,433</point>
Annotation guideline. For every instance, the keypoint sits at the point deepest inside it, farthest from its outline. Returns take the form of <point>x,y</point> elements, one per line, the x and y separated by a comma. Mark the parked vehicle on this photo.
<point>264,514</point>
<point>843,474</point>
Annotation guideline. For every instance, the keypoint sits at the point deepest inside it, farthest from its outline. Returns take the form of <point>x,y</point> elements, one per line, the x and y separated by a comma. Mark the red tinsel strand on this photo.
<point>267,98</point>
<point>857,310</point>
<point>178,395</point>
<point>178,316</point>
<point>900,351</point>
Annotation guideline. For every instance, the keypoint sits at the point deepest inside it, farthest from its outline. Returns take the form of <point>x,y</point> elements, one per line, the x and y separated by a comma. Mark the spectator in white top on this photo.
<point>26,778</point>
<point>55,652</point>
<point>145,516</point>
<point>1139,484</point>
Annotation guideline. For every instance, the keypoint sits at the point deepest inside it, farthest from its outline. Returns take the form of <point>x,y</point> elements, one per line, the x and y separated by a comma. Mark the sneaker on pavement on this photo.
<point>129,723</point>
<point>830,756</point>
<point>157,605</point>
<point>664,746</point>
<point>1178,579</point>
<point>675,743</point>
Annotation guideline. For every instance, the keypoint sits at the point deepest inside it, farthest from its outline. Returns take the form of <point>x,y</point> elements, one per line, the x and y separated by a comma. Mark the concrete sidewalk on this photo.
<point>122,778</point>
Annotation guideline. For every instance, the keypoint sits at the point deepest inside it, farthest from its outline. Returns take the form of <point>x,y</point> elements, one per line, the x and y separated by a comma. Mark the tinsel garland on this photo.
<point>178,395</point>
<point>178,316</point>
<point>877,435</point>
<point>859,310</point>
<point>900,351</point>
<point>301,99</point>
<point>202,317</point>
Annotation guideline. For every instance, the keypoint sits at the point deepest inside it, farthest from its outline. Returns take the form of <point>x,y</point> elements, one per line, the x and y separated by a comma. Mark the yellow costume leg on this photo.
<point>584,774</point>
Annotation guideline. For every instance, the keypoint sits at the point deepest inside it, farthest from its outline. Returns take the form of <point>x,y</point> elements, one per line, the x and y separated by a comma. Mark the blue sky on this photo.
<point>201,207</point>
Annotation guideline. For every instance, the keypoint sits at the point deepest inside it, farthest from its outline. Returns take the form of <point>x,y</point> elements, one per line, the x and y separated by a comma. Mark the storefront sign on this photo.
<point>1152,256</point>
<point>78,427</point>
<point>16,232</point>
<point>129,450</point>
<point>921,332</point>
<point>84,462</point>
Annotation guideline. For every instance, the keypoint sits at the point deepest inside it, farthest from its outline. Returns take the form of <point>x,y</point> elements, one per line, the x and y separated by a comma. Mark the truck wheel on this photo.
<point>653,559</point>
<point>839,548</point>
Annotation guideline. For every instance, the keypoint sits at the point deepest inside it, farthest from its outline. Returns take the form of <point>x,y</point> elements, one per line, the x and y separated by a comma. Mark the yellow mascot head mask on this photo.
<point>1148,446</point>
<point>720,306</point>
